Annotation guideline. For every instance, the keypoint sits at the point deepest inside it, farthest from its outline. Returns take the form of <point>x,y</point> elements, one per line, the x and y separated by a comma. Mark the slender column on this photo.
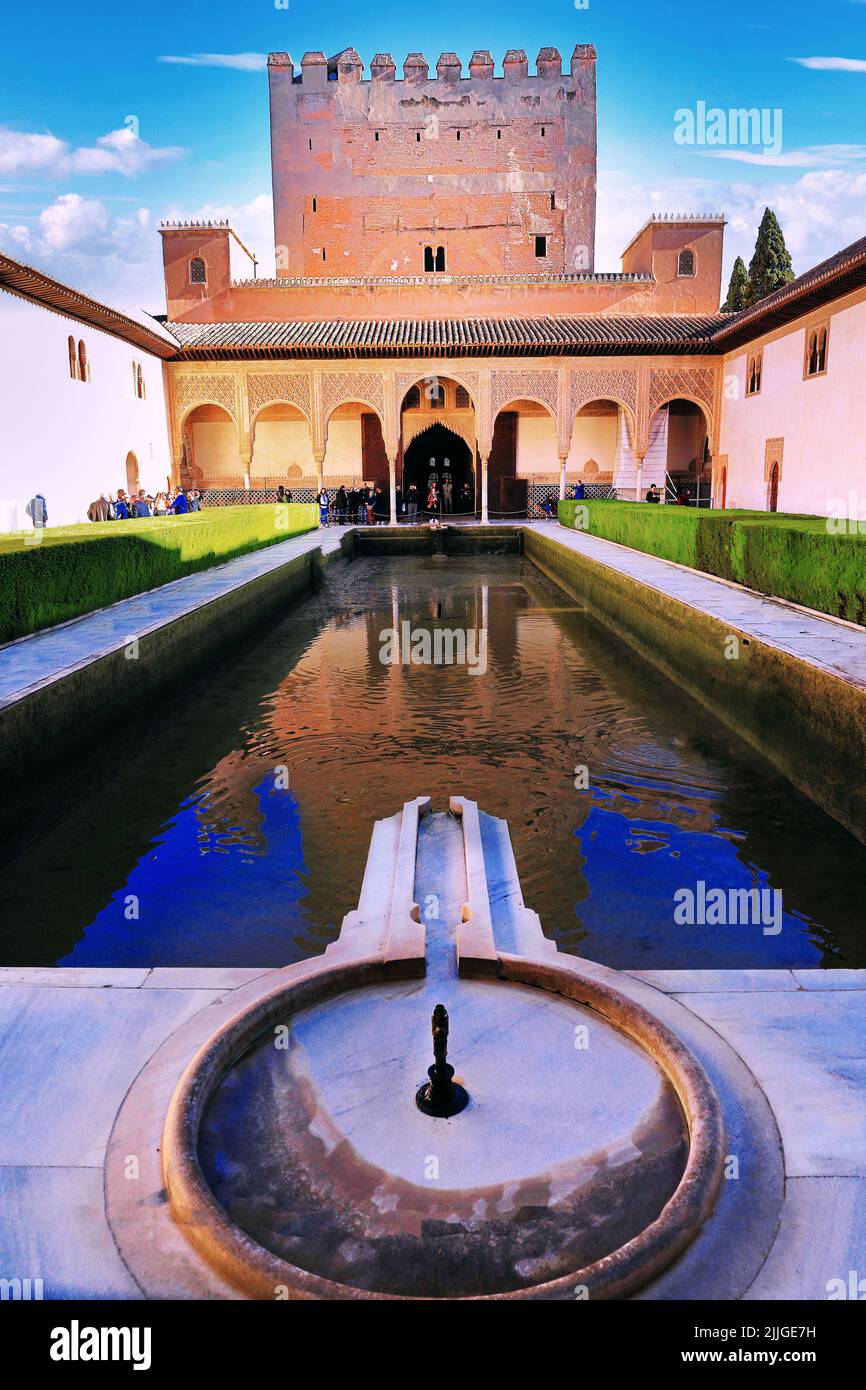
<point>319,456</point>
<point>176,461</point>
<point>564,424</point>
<point>392,486</point>
<point>246,458</point>
<point>485,519</point>
<point>638,479</point>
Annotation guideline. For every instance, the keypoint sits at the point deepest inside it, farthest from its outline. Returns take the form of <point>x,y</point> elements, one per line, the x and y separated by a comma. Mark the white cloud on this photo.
<point>240,62</point>
<point>15,237</point>
<point>832,64</point>
<point>812,157</point>
<point>72,222</point>
<point>83,242</point>
<point>118,152</point>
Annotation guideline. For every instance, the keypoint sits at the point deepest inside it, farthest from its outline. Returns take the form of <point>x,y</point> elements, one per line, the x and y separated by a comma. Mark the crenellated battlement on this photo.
<point>316,71</point>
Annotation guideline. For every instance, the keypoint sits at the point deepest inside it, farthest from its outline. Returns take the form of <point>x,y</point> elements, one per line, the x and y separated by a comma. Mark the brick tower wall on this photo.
<point>367,172</point>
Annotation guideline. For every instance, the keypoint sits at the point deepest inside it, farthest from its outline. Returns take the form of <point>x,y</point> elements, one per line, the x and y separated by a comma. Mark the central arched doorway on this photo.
<point>441,453</point>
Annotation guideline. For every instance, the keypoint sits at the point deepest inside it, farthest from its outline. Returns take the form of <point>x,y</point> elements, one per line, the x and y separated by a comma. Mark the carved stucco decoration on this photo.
<point>462,423</point>
<point>342,388</point>
<point>683,383</point>
<point>279,388</point>
<point>403,380</point>
<point>774,451</point>
<point>517,384</point>
<point>619,385</point>
<point>205,388</point>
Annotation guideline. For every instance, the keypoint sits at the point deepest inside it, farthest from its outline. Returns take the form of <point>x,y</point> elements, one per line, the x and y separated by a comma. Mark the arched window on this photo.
<point>686,263</point>
<point>436,395</point>
<point>197,271</point>
<point>754,374</point>
<point>440,257</point>
<point>83,369</point>
<point>429,263</point>
<point>73,358</point>
<point>815,363</point>
<point>413,399</point>
<point>461,398</point>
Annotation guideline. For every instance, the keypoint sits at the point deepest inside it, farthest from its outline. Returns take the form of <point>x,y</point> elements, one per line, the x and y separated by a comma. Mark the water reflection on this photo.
<point>237,832</point>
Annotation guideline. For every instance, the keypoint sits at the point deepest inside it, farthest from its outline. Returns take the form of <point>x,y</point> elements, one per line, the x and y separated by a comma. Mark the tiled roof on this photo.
<point>833,278</point>
<point>139,329</point>
<point>587,335</point>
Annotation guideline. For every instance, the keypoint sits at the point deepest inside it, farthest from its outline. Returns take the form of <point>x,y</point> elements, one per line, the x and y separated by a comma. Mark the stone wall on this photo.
<point>367,173</point>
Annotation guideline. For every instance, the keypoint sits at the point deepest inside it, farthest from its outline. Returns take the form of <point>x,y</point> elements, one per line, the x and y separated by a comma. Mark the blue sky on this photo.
<point>100,137</point>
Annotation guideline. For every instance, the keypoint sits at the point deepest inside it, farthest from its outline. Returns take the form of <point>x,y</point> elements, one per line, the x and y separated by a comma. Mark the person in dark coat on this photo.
<point>381,505</point>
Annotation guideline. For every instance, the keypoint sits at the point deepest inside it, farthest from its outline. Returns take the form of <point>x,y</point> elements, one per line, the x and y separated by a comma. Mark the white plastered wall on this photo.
<point>70,439</point>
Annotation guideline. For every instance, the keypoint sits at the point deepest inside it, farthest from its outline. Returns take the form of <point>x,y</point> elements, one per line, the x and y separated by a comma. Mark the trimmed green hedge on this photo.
<point>72,570</point>
<point>793,557</point>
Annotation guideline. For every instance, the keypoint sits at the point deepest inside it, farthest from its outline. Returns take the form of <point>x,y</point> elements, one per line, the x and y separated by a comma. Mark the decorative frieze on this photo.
<point>279,388</point>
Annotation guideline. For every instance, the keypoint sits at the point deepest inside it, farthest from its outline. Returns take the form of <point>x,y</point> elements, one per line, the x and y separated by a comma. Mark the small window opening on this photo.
<point>440,257</point>
<point>314,205</point>
<point>541,246</point>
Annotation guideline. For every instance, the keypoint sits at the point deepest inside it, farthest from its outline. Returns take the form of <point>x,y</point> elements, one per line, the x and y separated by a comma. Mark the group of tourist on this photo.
<point>371,506</point>
<point>124,506</point>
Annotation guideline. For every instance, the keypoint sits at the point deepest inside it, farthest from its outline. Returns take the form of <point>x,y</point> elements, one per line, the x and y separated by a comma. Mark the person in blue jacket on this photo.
<point>180,505</point>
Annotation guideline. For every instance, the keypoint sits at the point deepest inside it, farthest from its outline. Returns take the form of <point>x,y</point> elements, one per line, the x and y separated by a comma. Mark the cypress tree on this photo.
<point>738,289</point>
<point>771,264</point>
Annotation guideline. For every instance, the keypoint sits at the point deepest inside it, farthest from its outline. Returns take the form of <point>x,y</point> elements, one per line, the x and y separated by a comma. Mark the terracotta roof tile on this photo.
<point>584,335</point>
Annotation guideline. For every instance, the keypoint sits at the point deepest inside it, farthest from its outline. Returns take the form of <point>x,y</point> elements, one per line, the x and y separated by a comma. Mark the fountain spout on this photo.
<point>441,1096</point>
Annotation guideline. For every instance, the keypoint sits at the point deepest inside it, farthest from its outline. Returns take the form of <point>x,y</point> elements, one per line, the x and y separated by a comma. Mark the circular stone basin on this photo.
<point>313,1170</point>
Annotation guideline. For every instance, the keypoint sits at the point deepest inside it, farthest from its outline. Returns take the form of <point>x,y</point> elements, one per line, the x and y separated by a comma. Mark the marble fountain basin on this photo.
<point>299,1165</point>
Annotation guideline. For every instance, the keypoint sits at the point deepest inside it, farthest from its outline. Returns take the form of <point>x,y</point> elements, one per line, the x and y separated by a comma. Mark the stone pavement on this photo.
<point>45,656</point>
<point>829,643</point>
